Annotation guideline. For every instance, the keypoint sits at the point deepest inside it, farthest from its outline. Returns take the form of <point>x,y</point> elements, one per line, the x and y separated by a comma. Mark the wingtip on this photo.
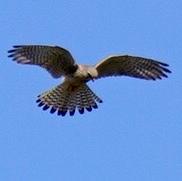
<point>11,55</point>
<point>11,51</point>
<point>163,70</point>
<point>167,70</point>
<point>164,64</point>
<point>17,46</point>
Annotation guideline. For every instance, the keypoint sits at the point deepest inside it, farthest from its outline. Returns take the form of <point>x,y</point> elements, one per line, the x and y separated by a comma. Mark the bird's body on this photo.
<point>73,93</point>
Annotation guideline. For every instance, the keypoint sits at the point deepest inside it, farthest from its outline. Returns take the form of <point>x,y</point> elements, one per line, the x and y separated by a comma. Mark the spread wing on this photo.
<point>132,66</point>
<point>56,60</point>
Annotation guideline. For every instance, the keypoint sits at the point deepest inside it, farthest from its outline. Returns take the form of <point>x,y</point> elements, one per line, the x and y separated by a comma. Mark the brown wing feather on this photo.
<point>58,61</point>
<point>132,66</point>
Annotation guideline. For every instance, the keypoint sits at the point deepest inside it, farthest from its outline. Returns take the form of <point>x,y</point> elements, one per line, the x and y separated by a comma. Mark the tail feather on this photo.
<point>89,98</point>
<point>79,101</point>
<point>62,103</point>
<point>63,100</point>
<point>72,104</point>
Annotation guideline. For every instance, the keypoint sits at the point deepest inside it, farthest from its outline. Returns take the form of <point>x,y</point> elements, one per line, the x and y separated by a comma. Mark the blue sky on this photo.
<point>136,134</point>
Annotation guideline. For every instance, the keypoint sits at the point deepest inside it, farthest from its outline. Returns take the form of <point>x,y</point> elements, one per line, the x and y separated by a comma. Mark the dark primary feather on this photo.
<point>58,61</point>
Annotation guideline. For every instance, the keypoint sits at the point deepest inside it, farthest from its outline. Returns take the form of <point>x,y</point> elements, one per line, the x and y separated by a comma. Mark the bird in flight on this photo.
<point>73,93</point>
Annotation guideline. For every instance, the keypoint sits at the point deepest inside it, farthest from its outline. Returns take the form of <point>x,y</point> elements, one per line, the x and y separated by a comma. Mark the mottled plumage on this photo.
<point>74,92</point>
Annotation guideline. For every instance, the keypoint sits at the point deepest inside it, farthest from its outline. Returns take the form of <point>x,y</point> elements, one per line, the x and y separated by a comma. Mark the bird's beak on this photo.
<point>89,75</point>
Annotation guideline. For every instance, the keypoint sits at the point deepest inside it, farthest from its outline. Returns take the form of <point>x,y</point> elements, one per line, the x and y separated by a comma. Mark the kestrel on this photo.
<point>73,93</point>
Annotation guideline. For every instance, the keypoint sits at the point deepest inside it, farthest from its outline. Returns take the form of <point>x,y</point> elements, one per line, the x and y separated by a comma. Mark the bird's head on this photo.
<point>86,71</point>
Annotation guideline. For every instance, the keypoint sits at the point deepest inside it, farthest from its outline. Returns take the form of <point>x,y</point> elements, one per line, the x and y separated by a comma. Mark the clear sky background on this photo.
<point>136,134</point>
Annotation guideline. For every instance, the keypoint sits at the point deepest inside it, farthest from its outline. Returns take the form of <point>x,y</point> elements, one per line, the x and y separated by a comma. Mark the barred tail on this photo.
<point>63,100</point>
